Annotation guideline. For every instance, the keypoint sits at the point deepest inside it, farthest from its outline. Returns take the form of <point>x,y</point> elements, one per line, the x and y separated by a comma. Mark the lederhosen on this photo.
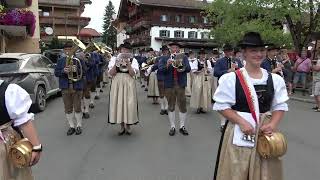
<point>265,94</point>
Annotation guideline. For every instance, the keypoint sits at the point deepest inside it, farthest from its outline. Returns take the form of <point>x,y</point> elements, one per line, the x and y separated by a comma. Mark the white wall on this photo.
<point>154,32</point>
<point>121,37</point>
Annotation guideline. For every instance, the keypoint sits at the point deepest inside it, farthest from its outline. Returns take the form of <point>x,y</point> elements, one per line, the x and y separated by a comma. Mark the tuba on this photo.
<point>74,64</point>
<point>178,61</point>
<point>121,63</point>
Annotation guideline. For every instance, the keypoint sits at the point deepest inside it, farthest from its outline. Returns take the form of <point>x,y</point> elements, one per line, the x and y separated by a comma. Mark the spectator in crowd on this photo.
<point>302,67</point>
<point>316,82</point>
<point>287,71</point>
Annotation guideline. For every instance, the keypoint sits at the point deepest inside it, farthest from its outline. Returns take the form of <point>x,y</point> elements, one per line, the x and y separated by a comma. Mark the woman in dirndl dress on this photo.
<point>201,85</point>
<point>153,89</point>
<point>123,106</point>
<point>191,59</point>
<point>14,107</point>
<point>238,159</point>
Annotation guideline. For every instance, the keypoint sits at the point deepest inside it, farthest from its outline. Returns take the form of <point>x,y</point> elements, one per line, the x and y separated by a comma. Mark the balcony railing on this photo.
<point>139,40</point>
<point>137,24</point>
<point>18,3</point>
<point>82,21</point>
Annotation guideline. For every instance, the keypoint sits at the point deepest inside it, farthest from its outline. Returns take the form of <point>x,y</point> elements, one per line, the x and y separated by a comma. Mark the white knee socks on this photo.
<point>172,119</point>
<point>183,117</point>
<point>70,118</point>
<point>92,95</point>
<point>86,105</point>
<point>162,103</point>
<point>165,103</point>
<point>79,119</point>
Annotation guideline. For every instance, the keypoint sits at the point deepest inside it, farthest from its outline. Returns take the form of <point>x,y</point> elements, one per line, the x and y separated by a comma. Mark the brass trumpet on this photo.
<point>178,61</point>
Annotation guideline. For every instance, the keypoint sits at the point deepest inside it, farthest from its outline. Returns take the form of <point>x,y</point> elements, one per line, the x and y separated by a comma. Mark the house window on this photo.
<point>192,19</point>
<point>178,34</point>
<point>193,35</point>
<point>205,35</point>
<point>205,20</point>
<point>164,33</point>
<point>164,18</point>
<point>178,18</point>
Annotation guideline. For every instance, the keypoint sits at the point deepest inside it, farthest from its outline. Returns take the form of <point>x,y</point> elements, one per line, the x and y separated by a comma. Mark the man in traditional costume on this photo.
<point>201,86</point>
<point>160,76</point>
<point>14,108</point>
<point>123,106</point>
<point>175,82</point>
<point>224,65</point>
<point>71,89</point>
<point>192,58</point>
<point>244,98</point>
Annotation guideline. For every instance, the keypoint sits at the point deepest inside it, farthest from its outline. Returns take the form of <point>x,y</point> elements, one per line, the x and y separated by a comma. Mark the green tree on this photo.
<point>109,36</point>
<point>55,43</point>
<point>232,18</point>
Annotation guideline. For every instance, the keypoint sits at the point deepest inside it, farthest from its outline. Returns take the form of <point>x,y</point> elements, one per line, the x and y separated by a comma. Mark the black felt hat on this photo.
<point>149,50</point>
<point>273,47</point>
<point>202,51</point>
<point>215,51</point>
<point>227,47</point>
<point>164,48</point>
<point>175,44</point>
<point>125,45</point>
<point>68,44</point>
<point>252,39</point>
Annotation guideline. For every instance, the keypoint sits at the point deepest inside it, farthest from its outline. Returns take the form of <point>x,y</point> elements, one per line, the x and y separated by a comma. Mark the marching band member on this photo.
<point>213,60</point>
<point>201,86</point>
<point>163,100</point>
<point>71,89</point>
<point>271,63</point>
<point>225,65</point>
<point>89,82</point>
<point>14,107</point>
<point>192,59</point>
<point>95,73</point>
<point>123,106</point>
<point>238,158</point>
<point>175,82</point>
<point>100,64</point>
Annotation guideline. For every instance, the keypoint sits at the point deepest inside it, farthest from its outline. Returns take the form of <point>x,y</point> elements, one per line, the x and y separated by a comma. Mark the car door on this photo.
<point>53,80</point>
<point>43,74</point>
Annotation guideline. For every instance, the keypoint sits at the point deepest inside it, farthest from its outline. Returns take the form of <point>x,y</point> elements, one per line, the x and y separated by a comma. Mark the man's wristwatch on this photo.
<point>37,148</point>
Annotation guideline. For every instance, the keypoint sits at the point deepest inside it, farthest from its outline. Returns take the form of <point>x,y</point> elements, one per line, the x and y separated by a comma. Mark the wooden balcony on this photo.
<point>73,21</point>
<point>136,25</point>
<point>139,40</point>
<point>16,3</point>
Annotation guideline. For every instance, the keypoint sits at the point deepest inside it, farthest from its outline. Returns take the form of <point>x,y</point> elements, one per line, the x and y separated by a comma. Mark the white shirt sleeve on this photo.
<point>225,96</point>
<point>210,67</point>
<point>112,63</point>
<point>18,103</point>
<point>135,65</point>
<point>194,65</point>
<point>280,94</point>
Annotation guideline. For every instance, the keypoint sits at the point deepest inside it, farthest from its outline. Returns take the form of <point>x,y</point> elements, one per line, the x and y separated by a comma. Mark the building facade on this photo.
<point>18,36</point>
<point>61,18</point>
<point>152,23</point>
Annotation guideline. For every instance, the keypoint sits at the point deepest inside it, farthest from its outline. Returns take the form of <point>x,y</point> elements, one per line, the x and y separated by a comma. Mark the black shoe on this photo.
<point>122,132</point>
<point>143,86</point>
<point>184,131</point>
<point>172,132</point>
<point>162,112</point>
<point>198,111</point>
<point>314,108</point>
<point>101,90</point>
<point>78,130</point>
<point>146,89</point>
<point>128,132</point>
<point>71,131</point>
<point>166,112</point>
<point>96,97</point>
<point>86,115</point>
<point>202,111</point>
<point>91,106</point>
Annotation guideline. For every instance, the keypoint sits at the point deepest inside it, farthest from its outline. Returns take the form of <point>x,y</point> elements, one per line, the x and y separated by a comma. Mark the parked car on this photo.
<point>34,73</point>
<point>53,54</point>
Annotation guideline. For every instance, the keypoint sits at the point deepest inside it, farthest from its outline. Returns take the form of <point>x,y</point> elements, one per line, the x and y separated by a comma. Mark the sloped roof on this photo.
<point>89,32</point>
<point>190,4</point>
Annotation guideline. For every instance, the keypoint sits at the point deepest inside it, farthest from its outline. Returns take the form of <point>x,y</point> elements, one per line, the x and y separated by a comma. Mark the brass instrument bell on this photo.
<point>273,146</point>
<point>20,153</point>
<point>178,61</point>
<point>74,64</point>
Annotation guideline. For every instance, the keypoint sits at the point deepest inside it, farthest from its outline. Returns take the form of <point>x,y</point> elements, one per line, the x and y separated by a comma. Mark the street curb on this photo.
<point>302,100</point>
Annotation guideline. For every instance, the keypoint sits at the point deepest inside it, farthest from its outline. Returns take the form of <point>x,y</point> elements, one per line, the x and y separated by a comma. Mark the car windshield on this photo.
<point>9,64</point>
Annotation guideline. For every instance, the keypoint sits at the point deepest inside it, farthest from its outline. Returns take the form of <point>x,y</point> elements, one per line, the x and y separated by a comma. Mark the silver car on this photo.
<point>34,73</point>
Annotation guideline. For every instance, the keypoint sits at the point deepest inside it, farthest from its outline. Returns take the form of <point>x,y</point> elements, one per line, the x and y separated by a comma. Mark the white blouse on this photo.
<point>134,64</point>
<point>18,103</point>
<point>225,96</point>
<point>194,66</point>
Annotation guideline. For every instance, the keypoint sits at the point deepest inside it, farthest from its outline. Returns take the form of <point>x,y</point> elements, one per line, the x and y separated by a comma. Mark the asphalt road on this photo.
<point>150,154</point>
